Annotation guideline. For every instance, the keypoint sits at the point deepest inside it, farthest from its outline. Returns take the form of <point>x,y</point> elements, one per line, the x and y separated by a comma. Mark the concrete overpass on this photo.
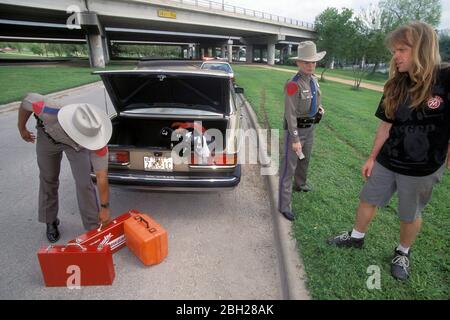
<point>203,24</point>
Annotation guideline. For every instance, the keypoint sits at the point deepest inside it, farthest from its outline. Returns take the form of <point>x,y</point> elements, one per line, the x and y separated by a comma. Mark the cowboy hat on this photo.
<point>86,124</point>
<point>307,51</point>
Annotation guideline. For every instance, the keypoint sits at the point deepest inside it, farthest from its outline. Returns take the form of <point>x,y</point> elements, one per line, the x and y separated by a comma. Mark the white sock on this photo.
<point>403,249</point>
<point>356,234</point>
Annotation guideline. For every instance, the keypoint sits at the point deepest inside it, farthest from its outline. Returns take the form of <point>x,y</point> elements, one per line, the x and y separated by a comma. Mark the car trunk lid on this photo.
<point>153,91</point>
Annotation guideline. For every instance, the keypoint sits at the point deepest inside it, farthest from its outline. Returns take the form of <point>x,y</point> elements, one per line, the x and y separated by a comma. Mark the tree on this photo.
<point>374,33</point>
<point>37,49</point>
<point>444,46</point>
<point>397,12</point>
<point>19,47</point>
<point>336,30</point>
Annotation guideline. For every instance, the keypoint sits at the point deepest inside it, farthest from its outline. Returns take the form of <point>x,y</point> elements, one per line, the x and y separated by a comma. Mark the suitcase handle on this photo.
<point>74,244</point>
<point>140,219</point>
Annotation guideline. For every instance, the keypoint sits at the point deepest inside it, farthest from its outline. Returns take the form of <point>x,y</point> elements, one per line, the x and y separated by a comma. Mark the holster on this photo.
<point>318,116</point>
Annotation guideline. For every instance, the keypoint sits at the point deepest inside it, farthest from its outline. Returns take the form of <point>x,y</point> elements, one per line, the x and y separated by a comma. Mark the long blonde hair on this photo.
<point>417,83</point>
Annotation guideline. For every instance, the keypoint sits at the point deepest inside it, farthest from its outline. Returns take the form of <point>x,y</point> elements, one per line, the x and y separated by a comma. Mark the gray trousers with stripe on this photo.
<point>49,156</point>
<point>292,167</point>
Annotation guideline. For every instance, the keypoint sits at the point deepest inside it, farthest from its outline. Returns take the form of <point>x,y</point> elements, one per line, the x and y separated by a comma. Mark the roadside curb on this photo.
<point>292,271</point>
<point>16,104</point>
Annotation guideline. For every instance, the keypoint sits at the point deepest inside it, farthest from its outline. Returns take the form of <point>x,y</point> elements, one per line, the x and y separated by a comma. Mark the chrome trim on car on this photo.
<point>213,167</point>
<point>119,165</point>
<point>155,178</point>
<point>164,116</point>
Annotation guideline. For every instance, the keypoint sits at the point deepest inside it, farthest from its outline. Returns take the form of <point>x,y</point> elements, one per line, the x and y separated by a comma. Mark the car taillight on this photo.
<point>219,159</point>
<point>119,157</point>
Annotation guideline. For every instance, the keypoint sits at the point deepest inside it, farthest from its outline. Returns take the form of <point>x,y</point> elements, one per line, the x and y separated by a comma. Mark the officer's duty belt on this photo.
<point>305,122</point>
<point>40,124</point>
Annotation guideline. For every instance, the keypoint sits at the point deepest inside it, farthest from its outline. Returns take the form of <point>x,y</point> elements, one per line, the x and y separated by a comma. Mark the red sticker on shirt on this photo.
<point>291,88</point>
<point>102,152</point>
<point>434,102</point>
<point>38,106</point>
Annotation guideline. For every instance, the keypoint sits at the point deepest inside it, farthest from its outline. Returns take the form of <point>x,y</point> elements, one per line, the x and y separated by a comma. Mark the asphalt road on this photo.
<point>221,245</point>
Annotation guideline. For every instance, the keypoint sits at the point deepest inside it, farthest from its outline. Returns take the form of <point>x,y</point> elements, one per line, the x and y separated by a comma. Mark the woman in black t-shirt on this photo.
<point>411,148</point>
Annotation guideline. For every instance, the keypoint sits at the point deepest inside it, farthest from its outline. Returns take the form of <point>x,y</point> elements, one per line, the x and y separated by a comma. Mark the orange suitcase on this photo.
<point>146,238</point>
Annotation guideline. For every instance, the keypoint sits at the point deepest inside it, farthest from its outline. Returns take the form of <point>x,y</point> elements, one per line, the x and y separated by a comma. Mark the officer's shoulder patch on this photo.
<point>101,152</point>
<point>291,88</point>
<point>38,106</point>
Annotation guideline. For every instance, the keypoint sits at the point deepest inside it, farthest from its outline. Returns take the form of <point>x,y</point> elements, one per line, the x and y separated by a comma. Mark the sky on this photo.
<point>307,10</point>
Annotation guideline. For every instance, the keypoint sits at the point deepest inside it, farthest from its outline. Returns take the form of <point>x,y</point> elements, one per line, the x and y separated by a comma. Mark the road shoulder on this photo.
<point>292,271</point>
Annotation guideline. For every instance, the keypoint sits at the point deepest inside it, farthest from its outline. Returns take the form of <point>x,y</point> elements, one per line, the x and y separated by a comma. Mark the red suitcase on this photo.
<point>111,234</point>
<point>76,265</point>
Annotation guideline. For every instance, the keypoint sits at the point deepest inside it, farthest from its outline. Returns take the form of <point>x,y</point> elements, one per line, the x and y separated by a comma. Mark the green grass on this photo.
<point>342,142</point>
<point>16,55</point>
<point>376,78</point>
<point>16,81</point>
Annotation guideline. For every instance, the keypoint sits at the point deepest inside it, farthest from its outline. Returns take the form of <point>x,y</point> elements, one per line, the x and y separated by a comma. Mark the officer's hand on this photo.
<point>321,110</point>
<point>297,147</point>
<point>367,168</point>
<point>27,135</point>
<point>104,216</point>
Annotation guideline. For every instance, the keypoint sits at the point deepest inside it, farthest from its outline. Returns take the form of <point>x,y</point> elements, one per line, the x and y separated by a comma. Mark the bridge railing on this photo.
<point>248,12</point>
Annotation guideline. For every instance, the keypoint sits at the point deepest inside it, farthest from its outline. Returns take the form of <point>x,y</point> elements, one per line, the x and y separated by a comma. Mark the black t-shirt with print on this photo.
<point>418,140</point>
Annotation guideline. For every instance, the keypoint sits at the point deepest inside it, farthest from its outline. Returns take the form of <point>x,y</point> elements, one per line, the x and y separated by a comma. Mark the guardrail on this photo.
<point>248,12</point>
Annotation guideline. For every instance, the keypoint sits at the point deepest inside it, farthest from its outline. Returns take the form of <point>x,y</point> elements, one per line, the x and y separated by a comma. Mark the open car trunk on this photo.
<point>164,116</point>
<point>157,133</point>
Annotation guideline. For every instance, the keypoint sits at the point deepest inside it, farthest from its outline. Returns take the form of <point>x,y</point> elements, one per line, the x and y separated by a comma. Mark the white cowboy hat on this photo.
<point>86,124</point>
<point>307,51</point>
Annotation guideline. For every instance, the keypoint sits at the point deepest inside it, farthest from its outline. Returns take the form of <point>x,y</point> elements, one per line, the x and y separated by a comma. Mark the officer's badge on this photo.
<point>291,88</point>
<point>435,102</point>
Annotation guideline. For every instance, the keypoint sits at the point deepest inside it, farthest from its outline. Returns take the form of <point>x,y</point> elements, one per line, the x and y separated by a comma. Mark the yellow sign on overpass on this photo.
<point>167,14</point>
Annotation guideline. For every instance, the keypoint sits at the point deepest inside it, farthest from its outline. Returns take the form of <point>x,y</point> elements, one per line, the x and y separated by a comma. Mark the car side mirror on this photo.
<point>238,89</point>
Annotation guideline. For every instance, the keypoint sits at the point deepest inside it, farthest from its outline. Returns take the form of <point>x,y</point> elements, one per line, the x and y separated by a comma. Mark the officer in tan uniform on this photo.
<point>81,131</point>
<point>302,110</point>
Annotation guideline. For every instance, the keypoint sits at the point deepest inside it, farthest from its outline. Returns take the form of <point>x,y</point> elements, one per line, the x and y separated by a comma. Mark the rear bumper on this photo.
<point>167,181</point>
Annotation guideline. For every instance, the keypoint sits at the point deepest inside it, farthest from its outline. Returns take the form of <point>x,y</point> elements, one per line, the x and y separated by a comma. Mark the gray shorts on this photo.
<point>413,192</point>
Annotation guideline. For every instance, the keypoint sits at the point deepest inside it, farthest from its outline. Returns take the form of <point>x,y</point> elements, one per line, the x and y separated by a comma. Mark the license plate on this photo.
<point>158,164</point>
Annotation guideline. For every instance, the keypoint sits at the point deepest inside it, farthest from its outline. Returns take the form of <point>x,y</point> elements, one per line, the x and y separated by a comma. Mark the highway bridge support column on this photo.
<point>197,51</point>
<point>191,52</point>
<point>271,53</point>
<point>230,50</point>
<point>249,53</point>
<point>107,49</point>
<point>96,39</point>
<point>223,51</point>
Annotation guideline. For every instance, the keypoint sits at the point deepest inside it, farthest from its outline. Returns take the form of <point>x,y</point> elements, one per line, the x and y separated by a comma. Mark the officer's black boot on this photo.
<point>303,188</point>
<point>52,231</point>
<point>289,215</point>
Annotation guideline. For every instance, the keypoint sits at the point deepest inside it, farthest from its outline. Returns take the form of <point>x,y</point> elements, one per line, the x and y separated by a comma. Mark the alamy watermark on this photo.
<point>74,279</point>
<point>374,280</point>
<point>213,147</point>
<point>72,21</point>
